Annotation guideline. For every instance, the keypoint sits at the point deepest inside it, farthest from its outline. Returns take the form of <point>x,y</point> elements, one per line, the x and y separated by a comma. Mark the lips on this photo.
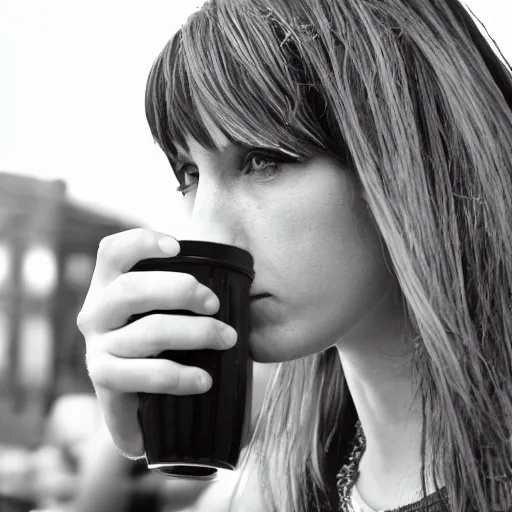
<point>258,296</point>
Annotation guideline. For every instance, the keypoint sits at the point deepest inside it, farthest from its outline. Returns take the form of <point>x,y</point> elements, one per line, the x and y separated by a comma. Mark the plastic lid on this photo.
<point>212,252</point>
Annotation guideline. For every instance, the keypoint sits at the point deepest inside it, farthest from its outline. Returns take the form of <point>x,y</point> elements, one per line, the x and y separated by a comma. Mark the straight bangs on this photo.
<point>233,66</point>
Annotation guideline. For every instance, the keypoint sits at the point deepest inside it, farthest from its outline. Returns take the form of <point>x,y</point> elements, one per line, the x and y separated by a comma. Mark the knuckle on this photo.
<point>123,286</point>
<point>85,319</point>
<point>148,330</point>
<point>105,246</point>
<point>190,281</point>
<point>111,245</point>
<point>82,320</point>
<point>145,237</point>
<point>190,286</point>
<point>97,368</point>
<point>163,379</point>
<point>168,378</point>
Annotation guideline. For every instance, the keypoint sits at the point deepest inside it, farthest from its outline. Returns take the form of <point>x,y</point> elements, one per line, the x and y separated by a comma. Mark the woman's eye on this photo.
<point>188,178</point>
<point>259,162</point>
<point>263,166</point>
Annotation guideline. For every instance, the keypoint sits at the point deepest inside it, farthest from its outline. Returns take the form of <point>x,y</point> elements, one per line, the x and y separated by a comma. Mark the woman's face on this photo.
<point>316,252</point>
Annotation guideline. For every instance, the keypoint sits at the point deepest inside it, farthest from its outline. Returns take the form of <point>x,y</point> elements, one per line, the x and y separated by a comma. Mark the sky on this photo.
<point>73,75</point>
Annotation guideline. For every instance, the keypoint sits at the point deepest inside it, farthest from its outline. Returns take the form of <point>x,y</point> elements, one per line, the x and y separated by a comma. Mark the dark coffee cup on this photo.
<point>195,436</point>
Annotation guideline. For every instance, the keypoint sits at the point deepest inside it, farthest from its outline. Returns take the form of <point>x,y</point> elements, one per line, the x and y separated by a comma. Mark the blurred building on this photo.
<point>48,248</point>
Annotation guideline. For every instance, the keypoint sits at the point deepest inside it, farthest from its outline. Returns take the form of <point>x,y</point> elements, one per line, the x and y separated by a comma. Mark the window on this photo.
<point>36,351</point>
<point>5,263</point>
<point>78,269</point>
<point>39,271</point>
<point>4,345</point>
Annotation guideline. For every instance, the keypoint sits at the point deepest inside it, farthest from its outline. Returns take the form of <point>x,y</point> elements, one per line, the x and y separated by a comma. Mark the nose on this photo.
<point>214,218</point>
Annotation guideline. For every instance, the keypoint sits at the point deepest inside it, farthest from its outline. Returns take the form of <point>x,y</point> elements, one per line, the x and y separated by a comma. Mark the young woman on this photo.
<point>361,150</point>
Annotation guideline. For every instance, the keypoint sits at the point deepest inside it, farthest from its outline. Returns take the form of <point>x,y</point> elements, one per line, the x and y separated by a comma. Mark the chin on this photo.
<point>276,348</point>
<point>264,351</point>
<point>262,355</point>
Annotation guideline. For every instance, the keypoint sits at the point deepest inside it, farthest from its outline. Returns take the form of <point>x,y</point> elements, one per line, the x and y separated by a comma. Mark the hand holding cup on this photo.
<point>120,356</point>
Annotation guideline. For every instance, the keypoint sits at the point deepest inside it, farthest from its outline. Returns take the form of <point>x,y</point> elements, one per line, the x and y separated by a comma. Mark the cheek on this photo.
<point>342,263</point>
<point>328,237</point>
<point>332,272</point>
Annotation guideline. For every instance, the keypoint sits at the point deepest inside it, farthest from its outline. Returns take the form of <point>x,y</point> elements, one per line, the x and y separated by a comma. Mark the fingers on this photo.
<point>118,253</point>
<point>152,334</point>
<point>142,292</point>
<point>146,375</point>
<point>119,356</point>
<point>120,415</point>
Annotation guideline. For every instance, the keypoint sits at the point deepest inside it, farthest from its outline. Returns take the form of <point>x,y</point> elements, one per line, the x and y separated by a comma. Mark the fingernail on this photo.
<point>204,381</point>
<point>169,245</point>
<point>211,304</point>
<point>229,335</point>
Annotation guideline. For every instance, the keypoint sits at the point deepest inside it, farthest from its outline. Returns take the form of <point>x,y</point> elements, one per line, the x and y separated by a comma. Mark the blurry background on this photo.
<point>77,162</point>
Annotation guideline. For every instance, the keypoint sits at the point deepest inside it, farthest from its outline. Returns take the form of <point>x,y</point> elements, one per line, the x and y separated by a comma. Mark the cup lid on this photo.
<point>229,255</point>
<point>206,252</point>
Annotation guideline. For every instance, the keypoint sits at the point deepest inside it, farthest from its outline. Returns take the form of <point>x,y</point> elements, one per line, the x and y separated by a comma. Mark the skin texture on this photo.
<point>318,254</point>
<point>314,246</point>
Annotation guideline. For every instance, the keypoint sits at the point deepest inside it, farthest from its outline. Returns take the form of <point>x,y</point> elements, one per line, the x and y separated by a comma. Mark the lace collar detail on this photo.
<point>349,473</point>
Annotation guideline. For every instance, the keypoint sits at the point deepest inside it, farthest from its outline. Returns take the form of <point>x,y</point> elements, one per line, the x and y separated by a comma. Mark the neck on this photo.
<point>377,362</point>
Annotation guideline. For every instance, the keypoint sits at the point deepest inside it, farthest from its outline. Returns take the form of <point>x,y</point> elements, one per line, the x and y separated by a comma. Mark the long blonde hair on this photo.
<point>410,95</point>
